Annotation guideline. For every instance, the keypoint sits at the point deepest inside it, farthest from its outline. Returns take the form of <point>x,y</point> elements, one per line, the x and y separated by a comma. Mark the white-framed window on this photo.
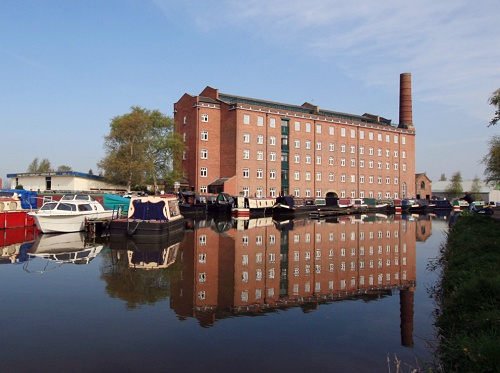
<point>387,138</point>
<point>396,182</point>
<point>396,166</point>
<point>204,135</point>
<point>272,174</point>
<point>342,178</point>
<point>370,164</point>
<point>379,136</point>
<point>342,162</point>
<point>246,118</point>
<point>203,189</point>
<point>361,163</point>
<point>379,152</point>
<point>308,159</point>
<point>379,179</point>
<point>331,130</point>
<point>370,179</point>
<point>353,149</point>
<point>184,121</point>
<point>318,176</point>
<point>246,193</point>
<point>353,178</point>
<point>260,139</point>
<point>403,154</point>
<point>272,140</point>
<point>246,138</point>
<point>203,240</point>
<point>404,166</point>
<point>183,155</point>
<point>318,145</point>
<point>370,135</point>
<point>246,173</point>
<point>260,121</point>
<point>272,122</point>
<point>296,175</point>
<point>308,144</point>
<point>297,158</point>
<point>260,155</point>
<point>361,179</point>
<point>260,192</point>
<point>318,159</point>
<point>297,144</point>
<point>342,148</point>
<point>403,140</point>
<point>370,151</point>
<point>246,153</point>
<point>353,162</point>
<point>353,133</point>
<point>297,126</point>
<point>308,127</point>
<point>396,154</point>
<point>308,175</point>
<point>396,140</point>
<point>260,173</point>
<point>318,128</point>
<point>361,150</point>
<point>331,161</point>
<point>318,193</point>
<point>308,193</point>
<point>204,154</point>
<point>331,176</point>
<point>387,165</point>
<point>342,132</point>
<point>204,117</point>
<point>272,192</point>
<point>296,192</point>
<point>331,147</point>
<point>387,180</point>
<point>272,156</point>
<point>379,165</point>
<point>362,134</point>
<point>203,172</point>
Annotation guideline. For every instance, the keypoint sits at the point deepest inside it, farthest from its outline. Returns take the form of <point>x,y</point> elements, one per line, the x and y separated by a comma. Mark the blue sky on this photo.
<point>67,67</point>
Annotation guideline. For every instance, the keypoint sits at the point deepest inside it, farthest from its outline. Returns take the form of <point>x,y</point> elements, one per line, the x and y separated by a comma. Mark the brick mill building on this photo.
<point>253,147</point>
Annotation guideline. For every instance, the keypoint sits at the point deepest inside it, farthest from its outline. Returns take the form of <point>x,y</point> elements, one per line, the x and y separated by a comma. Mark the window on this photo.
<point>379,165</point>
<point>403,140</point>
<point>331,161</point>
<point>395,139</point>
<point>370,164</point>
<point>396,154</point>
<point>184,120</point>
<point>318,176</point>
<point>204,135</point>
<point>387,165</point>
<point>297,144</point>
<point>246,137</point>
<point>387,180</point>
<point>260,139</point>
<point>318,159</point>
<point>308,175</point>
<point>246,172</point>
<point>342,178</point>
<point>361,150</point>
<point>379,152</point>
<point>353,162</point>
<point>246,118</point>
<point>379,179</point>
<point>246,193</point>
<point>308,144</point>
<point>353,149</point>
<point>361,179</point>
<point>353,134</point>
<point>361,163</point>
<point>204,117</point>
<point>342,148</point>
<point>203,172</point>
<point>204,154</point>
<point>203,189</point>
<point>297,126</point>
<point>342,162</point>
<point>331,147</point>
<point>379,137</point>
<point>260,155</point>
<point>353,179</point>
<point>395,166</point>
<point>331,130</point>
<point>297,158</point>
<point>318,128</point>
<point>272,156</point>
<point>272,122</point>
<point>308,127</point>
<point>370,179</point>
<point>331,176</point>
<point>260,173</point>
<point>318,193</point>
<point>361,134</point>
<point>184,155</point>
<point>387,138</point>
<point>342,132</point>
<point>246,154</point>
<point>403,154</point>
<point>259,192</point>
<point>297,175</point>
<point>308,159</point>
<point>318,145</point>
<point>370,151</point>
<point>308,192</point>
<point>272,174</point>
<point>370,135</point>
<point>260,120</point>
<point>272,140</point>
<point>272,192</point>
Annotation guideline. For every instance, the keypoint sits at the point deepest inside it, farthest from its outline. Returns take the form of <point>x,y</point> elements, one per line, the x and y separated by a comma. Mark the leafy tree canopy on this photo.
<point>492,162</point>
<point>454,189</point>
<point>40,166</point>
<point>495,101</point>
<point>140,148</point>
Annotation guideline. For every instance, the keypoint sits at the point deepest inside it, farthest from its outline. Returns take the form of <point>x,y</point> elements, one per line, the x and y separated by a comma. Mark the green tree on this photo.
<point>475,188</point>
<point>495,101</point>
<point>443,177</point>
<point>37,166</point>
<point>492,162</point>
<point>454,188</point>
<point>64,168</point>
<point>140,148</point>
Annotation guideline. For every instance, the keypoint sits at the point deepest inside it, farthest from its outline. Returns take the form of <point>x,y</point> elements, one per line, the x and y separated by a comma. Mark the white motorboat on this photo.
<point>69,214</point>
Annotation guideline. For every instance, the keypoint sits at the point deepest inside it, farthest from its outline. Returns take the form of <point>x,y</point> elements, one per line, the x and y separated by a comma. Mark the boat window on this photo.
<point>68,197</point>
<point>66,207</point>
<point>84,207</point>
<point>49,206</point>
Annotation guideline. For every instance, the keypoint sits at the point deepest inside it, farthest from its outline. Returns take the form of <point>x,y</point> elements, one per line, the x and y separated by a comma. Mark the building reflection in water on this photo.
<point>256,266</point>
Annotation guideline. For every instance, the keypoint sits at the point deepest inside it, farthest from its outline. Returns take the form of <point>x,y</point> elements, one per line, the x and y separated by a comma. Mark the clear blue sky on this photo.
<point>67,67</point>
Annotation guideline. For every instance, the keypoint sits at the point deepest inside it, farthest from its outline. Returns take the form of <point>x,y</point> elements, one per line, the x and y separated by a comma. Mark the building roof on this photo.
<point>56,173</point>
<point>440,186</point>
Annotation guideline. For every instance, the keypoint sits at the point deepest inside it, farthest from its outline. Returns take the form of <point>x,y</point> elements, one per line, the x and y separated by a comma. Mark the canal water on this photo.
<point>340,295</point>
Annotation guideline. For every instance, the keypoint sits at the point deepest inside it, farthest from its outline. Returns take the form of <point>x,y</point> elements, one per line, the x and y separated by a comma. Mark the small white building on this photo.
<point>62,182</point>
<point>488,192</point>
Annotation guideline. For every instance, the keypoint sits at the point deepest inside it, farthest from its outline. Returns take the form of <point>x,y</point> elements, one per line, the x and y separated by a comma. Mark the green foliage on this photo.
<point>454,189</point>
<point>19,186</point>
<point>475,188</point>
<point>140,148</point>
<point>495,101</point>
<point>64,168</point>
<point>37,166</point>
<point>469,318</point>
<point>443,177</point>
<point>492,162</point>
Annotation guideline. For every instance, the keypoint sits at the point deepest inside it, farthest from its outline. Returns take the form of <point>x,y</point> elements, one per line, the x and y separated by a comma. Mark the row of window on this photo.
<point>297,125</point>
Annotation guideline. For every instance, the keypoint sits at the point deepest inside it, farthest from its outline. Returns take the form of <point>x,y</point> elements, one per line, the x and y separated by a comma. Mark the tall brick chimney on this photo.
<point>405,102</point>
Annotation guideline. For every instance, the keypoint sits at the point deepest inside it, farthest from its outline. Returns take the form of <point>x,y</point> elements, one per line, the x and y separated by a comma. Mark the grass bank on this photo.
<point>469,296</point>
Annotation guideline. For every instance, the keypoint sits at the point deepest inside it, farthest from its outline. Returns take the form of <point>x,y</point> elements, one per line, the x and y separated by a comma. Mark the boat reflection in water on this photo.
<point>154,254</point>
<point>64,248</point>
<point>257,267</point>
